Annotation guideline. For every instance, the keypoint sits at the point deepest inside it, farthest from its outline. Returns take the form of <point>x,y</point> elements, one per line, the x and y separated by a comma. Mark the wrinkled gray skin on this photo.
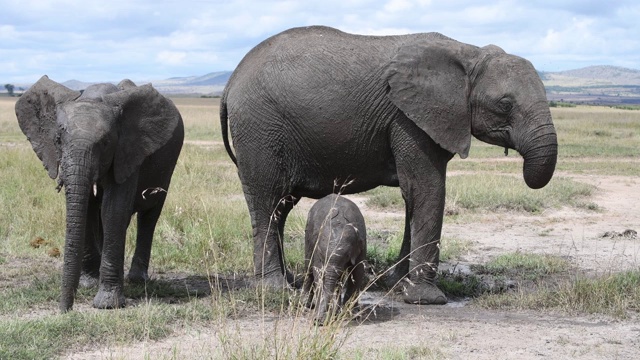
<point>313,106</point>
<point>335,245</point>
<point>123,140</point>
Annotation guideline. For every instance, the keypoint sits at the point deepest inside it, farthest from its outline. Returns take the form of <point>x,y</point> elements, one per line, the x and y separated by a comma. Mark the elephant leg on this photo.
<point>401,268</point>
<point>93,244</point>
<point>326,286</point>
<point>308,284</point>
<point>268,216</point>
<point>354,283</point>
<point>117,207</point>
<point>426,225</point>
<point>147,221</point>
<point>421,165</point>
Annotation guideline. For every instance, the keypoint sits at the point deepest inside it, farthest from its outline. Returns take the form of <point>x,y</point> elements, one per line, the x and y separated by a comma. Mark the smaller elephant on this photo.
<point>335,246</point>
<point>113,149</point>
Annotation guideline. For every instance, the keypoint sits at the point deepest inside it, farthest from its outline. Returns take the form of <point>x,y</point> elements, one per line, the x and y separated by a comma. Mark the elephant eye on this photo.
<point>505,105</point>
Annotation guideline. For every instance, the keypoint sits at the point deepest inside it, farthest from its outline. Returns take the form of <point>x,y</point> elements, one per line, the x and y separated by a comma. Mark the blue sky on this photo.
<point>97,40</point>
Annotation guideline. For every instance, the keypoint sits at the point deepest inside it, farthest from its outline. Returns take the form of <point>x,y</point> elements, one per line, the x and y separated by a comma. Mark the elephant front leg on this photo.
<point>425,217</point>
<point>325,285</point>
<point>117,206</point>
<point>421,165</point>
<point>355,283</point>
<point>90,274</point>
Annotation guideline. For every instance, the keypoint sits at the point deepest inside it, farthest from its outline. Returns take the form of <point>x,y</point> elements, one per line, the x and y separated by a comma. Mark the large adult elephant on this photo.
<point>313,106</point>
<point>114,150</point>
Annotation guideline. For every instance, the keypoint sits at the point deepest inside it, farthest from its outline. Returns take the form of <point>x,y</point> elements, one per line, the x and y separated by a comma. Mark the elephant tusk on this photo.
<point>153,191</point>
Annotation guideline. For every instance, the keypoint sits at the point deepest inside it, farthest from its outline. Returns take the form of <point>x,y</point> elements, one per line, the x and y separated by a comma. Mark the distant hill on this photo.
<point>602,84</point>
<point>593,75</point>
<point>210,84</point>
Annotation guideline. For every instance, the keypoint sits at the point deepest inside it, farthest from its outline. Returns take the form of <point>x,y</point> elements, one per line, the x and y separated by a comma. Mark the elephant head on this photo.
<point>103,135</point>
<point>453,90</point>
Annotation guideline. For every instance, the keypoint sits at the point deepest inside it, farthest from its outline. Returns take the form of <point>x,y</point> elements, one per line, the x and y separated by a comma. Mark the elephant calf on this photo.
<point>114,149</point>
<point>335,244</point>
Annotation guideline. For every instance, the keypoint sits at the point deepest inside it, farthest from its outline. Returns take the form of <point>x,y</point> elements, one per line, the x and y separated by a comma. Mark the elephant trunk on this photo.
<point>78,186</point>
<point>540,154</point>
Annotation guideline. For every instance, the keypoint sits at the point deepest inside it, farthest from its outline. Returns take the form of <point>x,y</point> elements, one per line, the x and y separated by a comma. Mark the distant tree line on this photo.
<point>560,104</point>
<point>9,88</point>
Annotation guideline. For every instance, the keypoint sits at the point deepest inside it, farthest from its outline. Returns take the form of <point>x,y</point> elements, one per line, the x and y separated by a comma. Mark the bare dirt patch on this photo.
<point>459,331</point>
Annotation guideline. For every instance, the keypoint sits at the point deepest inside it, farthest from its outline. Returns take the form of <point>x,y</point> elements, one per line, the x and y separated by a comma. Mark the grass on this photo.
<point>527,266</point>
<point>205,231</point>
<point>384,247</point>
<point>588,138</point>
<point>46,337</point>
<point>616,295</point>
<point>493,192</point>
<point>401,353</point>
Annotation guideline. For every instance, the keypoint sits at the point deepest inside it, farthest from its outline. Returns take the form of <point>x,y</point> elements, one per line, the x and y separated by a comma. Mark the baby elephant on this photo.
<point>335,244</point>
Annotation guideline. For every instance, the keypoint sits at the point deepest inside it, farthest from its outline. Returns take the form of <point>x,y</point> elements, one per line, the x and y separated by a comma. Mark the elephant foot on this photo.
<point>109,298</point>
<point>137,275</point>
<point>423,294</point>
<point>392,279</point>
<point>88,281</point>
<point>275,282</point>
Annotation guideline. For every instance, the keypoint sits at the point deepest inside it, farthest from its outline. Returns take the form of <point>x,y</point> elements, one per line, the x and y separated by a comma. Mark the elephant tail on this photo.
<point>225,129</point>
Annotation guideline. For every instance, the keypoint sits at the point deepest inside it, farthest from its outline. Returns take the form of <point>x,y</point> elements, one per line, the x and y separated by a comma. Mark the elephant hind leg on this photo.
<point>268,217</point>
<point>147,221</point>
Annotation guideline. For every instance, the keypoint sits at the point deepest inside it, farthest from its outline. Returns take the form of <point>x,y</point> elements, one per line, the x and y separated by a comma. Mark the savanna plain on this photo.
<point>551,273</point>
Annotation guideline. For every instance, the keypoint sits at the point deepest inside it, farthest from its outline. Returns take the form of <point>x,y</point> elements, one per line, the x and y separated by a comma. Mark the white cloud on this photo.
<point>171,57</point>
<point>398,5</point>
<point>95,40</point>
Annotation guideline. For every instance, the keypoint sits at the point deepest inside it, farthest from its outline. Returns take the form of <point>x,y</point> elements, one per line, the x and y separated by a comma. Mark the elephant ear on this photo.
<point>146,122</point>
<point>36,111</point>
<point>429,84</point>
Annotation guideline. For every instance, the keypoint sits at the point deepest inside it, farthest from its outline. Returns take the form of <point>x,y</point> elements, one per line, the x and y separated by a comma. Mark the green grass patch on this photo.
<point>398,353</point>
<point>30,206</point>
<point>525,266</point>
<point>553,104</point>
<point>457,285</point>
<point>626,107</point>
<point>615,295</point>
<point>383,249</point>
<point>597,133</point>
<point>50,336</point>
<point>488,192</point>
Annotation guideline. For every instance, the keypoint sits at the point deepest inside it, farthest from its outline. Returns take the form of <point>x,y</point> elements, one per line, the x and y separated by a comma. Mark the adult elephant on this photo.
<point>114,150</point>
<point>314,106</point>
